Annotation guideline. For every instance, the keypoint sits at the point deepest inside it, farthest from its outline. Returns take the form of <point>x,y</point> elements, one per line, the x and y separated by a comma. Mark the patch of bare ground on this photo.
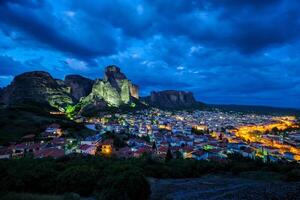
<point>214,187</point>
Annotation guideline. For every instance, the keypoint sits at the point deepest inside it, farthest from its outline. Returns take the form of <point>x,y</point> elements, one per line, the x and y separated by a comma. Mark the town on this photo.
<point>200,135</point>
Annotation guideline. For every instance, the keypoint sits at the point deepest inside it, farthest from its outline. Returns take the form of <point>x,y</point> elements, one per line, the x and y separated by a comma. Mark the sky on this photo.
<point>224,51</point>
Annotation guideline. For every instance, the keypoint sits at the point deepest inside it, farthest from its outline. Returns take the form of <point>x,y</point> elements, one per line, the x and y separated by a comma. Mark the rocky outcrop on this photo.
<point>79,86</point>
<point>115,89</point>
<point>119,81</point>
<point>36,87</point>
<point>79,94</point>
<point>171,99</point>
<point>134,91</point>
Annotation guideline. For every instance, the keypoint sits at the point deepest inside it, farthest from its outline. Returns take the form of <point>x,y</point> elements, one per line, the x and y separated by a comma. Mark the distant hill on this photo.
<point>255,109</point>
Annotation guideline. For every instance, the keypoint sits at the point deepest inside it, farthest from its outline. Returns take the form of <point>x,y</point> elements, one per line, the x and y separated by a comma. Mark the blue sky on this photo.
<point>225,51</point>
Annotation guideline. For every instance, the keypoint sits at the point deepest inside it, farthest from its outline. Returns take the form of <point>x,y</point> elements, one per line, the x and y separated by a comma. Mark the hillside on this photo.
<point>18,121</point>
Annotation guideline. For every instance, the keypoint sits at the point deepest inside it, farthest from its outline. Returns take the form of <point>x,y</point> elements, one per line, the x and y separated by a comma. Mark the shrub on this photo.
<point>78,179</point>
<point>130,185</point>
<point>293,175</point>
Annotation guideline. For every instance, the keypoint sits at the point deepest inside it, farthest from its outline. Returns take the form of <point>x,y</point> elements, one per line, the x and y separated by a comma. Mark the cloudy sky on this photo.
<point>225,51</point>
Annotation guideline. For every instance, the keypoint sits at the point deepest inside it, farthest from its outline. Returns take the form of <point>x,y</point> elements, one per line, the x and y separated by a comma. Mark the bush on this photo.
<point>293,175</point>
<point>130,185</point>
<point>118,179</point>
<point>78,179</point>
<point>24,196</point>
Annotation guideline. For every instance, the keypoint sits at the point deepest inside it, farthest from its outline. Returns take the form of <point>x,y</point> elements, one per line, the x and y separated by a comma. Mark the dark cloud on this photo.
<point>225,51</point>
<point>43,29</point>
<point>8,66</point>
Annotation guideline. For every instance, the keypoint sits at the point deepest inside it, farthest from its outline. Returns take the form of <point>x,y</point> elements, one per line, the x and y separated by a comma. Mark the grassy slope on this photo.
<point>23,196</point>
<point>16,122</point>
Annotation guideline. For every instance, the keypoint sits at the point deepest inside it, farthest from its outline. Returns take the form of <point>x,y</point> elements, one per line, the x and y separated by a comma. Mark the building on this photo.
<point>106,147</point>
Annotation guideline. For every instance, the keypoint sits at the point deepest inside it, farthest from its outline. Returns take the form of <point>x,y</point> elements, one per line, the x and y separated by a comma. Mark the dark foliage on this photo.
<point>17,121</point>
<point>119,179</point>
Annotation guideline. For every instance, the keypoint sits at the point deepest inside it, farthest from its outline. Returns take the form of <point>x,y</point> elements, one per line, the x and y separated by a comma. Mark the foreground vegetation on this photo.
<point>26,196</point>
<point>119,179</point>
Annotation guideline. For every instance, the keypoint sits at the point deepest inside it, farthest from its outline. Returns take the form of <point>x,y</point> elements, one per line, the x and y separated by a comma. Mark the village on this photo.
<point>200,135</point>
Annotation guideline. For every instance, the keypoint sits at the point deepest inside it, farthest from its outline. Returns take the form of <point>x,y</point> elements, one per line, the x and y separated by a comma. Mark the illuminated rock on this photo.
<point>76,92</point>
<point>104,90</point>
<point>115,89</point>
<point>134,91</point>
<point>113,74</point>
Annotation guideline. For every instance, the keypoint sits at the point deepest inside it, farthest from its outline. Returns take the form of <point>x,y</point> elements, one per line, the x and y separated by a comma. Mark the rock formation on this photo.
<point>79,86</point>
<point>171,99</point>
<point>78,94</point>
<point>36,87</point>
<point>119,81</point>
<point>115,89</point>
<point>134,91</point>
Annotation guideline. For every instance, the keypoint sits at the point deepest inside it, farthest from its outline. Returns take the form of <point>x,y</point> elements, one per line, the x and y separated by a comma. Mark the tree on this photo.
<point>169,155</point>
<point>131,185</point>
<point>221,136</point>
<point>197,132</point>
<point>154,146</point>
<point>76,179</point>
<point>178,155</point>
<point>275,130</point>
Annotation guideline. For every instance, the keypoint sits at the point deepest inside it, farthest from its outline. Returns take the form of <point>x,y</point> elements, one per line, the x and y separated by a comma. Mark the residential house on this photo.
<point>5,153</point>
<point>49,152</point>
<point>125,152</point>
<point>248,152</point>
<point>87,149</point>
<point>92,140</point>
<point>107,147</point>
<point>199,155</point>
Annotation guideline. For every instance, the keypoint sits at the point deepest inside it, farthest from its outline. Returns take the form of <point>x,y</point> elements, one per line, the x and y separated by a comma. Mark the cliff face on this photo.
<point>119,81</point>
<point>134,91</point>
<point>171,99</point>
<point>85,95</point>
<point>115,89</point>
<point>79,86</point>
<point>38,87</point>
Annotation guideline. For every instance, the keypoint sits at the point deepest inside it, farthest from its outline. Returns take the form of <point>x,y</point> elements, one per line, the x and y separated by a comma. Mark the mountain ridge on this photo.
<point>78,94</point>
